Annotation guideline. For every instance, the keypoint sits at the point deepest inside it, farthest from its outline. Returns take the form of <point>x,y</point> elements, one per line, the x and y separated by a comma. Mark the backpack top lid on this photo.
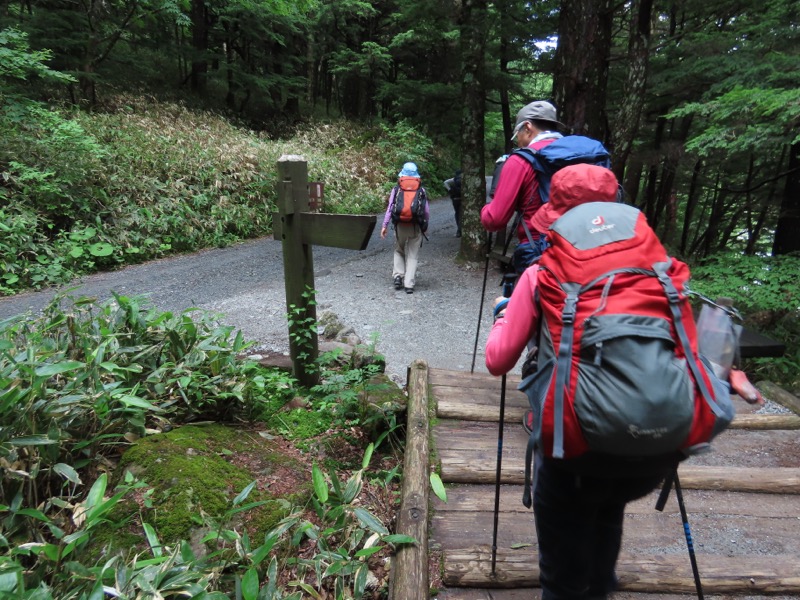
<point>574,185</point>
<point>409,183</point>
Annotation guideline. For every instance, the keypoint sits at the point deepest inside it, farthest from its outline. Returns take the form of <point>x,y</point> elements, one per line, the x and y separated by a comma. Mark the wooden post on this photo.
<point>298,230</point>
<point>298,268</point>
<point>410,565</point>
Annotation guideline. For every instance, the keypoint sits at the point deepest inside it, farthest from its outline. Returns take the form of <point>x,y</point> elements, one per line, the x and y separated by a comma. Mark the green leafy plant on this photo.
<point>347,537</point>
<point>765,292</point>
<point>303,328</point>
<point>81,381</point>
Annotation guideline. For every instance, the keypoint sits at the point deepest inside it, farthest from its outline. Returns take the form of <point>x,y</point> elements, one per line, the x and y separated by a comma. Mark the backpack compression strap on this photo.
<point>527,500</point>
<point>564,365</point>
<point>674,299</point>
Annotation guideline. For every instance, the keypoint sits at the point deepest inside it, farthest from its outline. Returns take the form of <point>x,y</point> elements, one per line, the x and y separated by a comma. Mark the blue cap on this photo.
<point>409,170</point>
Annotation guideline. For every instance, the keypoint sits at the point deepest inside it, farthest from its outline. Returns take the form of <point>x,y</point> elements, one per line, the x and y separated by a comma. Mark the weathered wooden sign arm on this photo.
<point>298,229</point>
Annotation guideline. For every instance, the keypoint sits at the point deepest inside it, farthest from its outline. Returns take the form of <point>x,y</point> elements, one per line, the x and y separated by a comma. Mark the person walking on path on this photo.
<point>518,190</point>
<point>453,187</point>
<point>578,512</point>
<point>409,212</point>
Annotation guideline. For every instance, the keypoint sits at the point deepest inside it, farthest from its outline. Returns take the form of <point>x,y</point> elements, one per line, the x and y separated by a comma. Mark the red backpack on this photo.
<point>618,367</point>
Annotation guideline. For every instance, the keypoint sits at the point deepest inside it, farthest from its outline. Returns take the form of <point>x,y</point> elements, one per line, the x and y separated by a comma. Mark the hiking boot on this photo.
<point>527,421</point>
<point>398,283</point>
<point>458,233</point>
<point>409,290</point>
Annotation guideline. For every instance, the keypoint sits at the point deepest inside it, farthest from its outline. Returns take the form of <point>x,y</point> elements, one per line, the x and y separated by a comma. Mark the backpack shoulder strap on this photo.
<point>530,156</point>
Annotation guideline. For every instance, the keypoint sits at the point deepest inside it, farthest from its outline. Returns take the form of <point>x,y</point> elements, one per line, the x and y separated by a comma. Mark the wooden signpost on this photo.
<point>299,229</point>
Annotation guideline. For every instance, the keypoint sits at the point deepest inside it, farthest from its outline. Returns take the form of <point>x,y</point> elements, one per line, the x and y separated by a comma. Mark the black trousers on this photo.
<point>457,211</point>
<point>579,528</point>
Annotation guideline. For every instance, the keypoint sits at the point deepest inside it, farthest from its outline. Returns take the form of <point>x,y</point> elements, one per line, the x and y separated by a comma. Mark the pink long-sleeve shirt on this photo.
<point>510,334</point>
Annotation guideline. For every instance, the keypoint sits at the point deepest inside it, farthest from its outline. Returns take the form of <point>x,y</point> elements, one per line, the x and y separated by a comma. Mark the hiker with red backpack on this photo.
<point>409,212</point>
<point>518,189</point>
<point>618,390</point>
<point>525,182</point>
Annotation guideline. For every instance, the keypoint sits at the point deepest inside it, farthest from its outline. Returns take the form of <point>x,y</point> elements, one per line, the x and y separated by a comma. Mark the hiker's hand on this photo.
<point>742,386</point>
<point>499,307</point>
<point>383,233</point>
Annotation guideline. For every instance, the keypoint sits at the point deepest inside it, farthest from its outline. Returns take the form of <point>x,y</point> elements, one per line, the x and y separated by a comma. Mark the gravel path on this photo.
<point>244,283</point>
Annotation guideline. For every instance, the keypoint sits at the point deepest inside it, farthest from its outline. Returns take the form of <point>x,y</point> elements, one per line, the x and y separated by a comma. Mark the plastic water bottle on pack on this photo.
<point>718,336</point>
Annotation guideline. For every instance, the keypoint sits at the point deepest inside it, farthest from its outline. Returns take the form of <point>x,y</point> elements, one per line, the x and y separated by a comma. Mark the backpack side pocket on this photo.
<point>535,387</point>
<point>722,394</point>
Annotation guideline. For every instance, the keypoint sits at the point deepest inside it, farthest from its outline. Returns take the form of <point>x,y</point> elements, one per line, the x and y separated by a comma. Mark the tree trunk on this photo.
<point>691,203</point>
<point>714,222</point>
<point>230,96</point>
<point>505,102</point>
<point>754,229</point>
<point>199,17</point>
<point>633,179</point>
<point>787,232</point>
<point>473,183</point>
<point>581,65</point>
<point>626,125</point>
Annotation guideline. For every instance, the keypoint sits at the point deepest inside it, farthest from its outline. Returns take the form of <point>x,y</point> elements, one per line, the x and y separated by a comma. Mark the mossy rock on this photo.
<point>379,399</point>
<point>196,472</point>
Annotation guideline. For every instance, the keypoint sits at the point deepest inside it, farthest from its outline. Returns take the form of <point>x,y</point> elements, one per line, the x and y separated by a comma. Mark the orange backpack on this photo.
<point>410,202</point>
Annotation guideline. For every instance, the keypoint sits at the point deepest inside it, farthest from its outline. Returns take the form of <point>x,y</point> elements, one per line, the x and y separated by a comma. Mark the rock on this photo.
<point>348,336</point>
<point>296,402</point>
<point>379,399</point>
<point>328,324</point>
<point>345,351</point>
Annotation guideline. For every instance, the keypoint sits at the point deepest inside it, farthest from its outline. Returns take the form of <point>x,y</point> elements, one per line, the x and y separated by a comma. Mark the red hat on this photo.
<point>574,185</point>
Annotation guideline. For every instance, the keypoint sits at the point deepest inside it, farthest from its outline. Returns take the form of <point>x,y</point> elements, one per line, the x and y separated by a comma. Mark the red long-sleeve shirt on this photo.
<point>517,189</point>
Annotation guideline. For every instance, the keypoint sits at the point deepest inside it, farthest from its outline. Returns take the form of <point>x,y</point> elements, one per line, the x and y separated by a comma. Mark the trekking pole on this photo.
<point>499,466</point>
<point>662,500</point>
<point>483,293</point>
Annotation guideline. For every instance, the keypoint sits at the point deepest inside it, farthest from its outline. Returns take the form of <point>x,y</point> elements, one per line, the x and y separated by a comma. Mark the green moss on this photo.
<point>302,424</point>
<point>193,474</point>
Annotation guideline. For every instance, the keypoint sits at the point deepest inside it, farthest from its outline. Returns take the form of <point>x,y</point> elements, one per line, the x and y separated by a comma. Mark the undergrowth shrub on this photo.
<point>92,191</point>
<point>765,291</point>
<point>83,381</point>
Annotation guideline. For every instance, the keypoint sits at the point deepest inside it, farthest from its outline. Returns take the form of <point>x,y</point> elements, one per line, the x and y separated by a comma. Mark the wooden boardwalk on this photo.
<point>743,503</point>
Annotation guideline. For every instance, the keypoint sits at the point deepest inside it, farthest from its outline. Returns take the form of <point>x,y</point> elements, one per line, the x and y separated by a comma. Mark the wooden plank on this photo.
<point>458,468</point>
<point>445,377</point>
<point>766,422</point>
<point>474,444</point>
<point>475,498</point>
<point>477,398</point>
<point>453,403</point>
<point>753,344</point>
<point>527,593</point>
<point>742,479</point>
<point>644,533</point>
<point>471,567</point>
<point>351,232</point>
<point>410,565</point>
<point>779,395</point>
